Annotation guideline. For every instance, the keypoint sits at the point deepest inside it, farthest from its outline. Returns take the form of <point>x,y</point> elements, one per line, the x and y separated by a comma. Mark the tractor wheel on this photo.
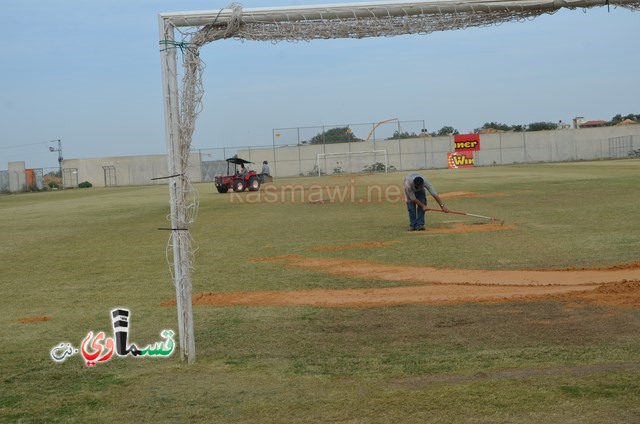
<point>238,186</point>
<point>223,188</point>
<point>254,184</point>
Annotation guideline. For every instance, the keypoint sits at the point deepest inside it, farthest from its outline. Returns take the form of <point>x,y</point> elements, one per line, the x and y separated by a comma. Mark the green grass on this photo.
<point>75,254</point>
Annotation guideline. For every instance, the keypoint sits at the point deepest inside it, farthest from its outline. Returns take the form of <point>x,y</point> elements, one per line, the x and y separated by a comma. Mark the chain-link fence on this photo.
<point>294,150</point>
<point>427,152</point>
<point>374,155</point>
<point>620,147</point>
<point>327,134</point>
<point>4,181</point>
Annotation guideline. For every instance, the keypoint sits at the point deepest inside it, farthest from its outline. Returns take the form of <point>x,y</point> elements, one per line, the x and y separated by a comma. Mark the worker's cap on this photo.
<point>418,181</point>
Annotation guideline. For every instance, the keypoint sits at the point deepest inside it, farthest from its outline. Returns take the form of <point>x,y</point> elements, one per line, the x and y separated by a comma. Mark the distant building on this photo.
<point>593,124</point>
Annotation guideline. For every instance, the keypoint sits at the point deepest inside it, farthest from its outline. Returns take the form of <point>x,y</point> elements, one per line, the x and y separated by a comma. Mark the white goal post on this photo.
<point>182,102</point>
<point>320,156</point>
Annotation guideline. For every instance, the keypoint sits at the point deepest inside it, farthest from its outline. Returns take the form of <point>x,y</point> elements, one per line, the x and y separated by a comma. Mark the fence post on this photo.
<point>424,147</point>
<point>275,162</point>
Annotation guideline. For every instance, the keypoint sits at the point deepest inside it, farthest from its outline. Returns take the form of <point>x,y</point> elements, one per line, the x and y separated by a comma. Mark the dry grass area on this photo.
<point>310,313</point>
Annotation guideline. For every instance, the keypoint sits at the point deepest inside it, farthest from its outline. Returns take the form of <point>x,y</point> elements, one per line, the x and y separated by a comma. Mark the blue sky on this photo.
<point>88,73</point>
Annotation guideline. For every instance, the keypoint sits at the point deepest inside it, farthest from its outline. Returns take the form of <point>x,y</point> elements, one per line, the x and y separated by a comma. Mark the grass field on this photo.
<point>69,257</point>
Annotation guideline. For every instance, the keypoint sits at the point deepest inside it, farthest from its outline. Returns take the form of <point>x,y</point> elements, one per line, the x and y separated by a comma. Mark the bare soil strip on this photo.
<point>464,228</point>
<point>29,320</point>
<point>429,275</point>
<point>616,286</point>
<point>368,245</point>
<point>455,194</point>
<point>367,298</point>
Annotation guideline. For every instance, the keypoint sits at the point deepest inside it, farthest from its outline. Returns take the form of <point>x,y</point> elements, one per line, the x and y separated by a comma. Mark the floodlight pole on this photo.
<point>177,195</point>
<point>60,158</point>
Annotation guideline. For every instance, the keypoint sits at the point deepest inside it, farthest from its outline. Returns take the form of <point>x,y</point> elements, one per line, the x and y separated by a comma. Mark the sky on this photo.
<point>88,73</point>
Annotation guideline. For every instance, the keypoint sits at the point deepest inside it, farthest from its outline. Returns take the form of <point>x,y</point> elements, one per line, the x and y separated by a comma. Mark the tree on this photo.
<point>542,126</point>
<point>334,135</point>
<point>446,131</point>
<point>493,126</point>
<point>619,118</point>
<point>616,119</point>
<point>399,135</point>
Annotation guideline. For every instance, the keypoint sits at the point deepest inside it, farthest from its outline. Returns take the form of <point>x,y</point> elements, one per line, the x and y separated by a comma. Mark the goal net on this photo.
<point>183,34</point>
<point>352,162</point>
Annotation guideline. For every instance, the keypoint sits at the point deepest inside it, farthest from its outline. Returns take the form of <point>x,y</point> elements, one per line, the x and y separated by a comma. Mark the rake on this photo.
<point>467,214</point>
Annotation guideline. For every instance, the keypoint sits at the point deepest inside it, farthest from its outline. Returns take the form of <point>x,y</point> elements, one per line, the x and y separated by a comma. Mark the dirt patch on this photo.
<point>623,293</point>
<point>430,275</point>
<point>616,286</point>
<point>630,265</point>
<point>378,297</point>
<point>29,320</point>
<point>465,228</point>
<point>369,245</point>
<point>455,194</point>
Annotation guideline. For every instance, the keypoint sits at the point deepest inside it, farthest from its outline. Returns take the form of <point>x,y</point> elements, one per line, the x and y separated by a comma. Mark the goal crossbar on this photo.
<point>373,10</point>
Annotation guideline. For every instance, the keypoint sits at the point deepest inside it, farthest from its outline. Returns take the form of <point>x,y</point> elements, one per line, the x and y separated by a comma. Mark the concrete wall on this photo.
<point>17,177</point>
<point>557,145</point>
<point>406,154</point>
<point>288,161</point>
<point>127,170</point>
<point>432,152</point>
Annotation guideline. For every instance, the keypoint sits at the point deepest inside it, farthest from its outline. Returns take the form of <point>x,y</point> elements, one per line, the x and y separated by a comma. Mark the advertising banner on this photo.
<point>462,159</point>
<point>466,142</point>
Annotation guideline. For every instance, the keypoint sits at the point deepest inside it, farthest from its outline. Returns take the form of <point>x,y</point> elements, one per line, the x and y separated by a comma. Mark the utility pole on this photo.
<point>60,158</point>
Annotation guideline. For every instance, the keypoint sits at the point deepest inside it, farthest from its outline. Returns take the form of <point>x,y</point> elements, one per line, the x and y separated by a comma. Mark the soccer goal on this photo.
<point>184,33</point>
<point>352,162</point>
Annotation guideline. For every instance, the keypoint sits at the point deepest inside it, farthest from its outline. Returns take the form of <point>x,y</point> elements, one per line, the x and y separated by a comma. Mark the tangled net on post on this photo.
<point>379,19</point>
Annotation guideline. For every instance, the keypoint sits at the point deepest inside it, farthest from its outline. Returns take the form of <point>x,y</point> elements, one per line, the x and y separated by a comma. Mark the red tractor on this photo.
<point>240,180</point>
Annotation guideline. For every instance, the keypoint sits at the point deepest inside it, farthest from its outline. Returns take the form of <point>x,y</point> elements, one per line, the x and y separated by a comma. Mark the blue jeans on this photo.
<point>416,213</point>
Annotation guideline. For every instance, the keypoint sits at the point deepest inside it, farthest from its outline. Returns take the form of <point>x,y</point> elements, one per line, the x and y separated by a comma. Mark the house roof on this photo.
<point>593,123</point>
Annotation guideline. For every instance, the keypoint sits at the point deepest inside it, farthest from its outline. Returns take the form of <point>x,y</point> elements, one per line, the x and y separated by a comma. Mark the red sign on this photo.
<point>466,142</point>
<point>461,159</point>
